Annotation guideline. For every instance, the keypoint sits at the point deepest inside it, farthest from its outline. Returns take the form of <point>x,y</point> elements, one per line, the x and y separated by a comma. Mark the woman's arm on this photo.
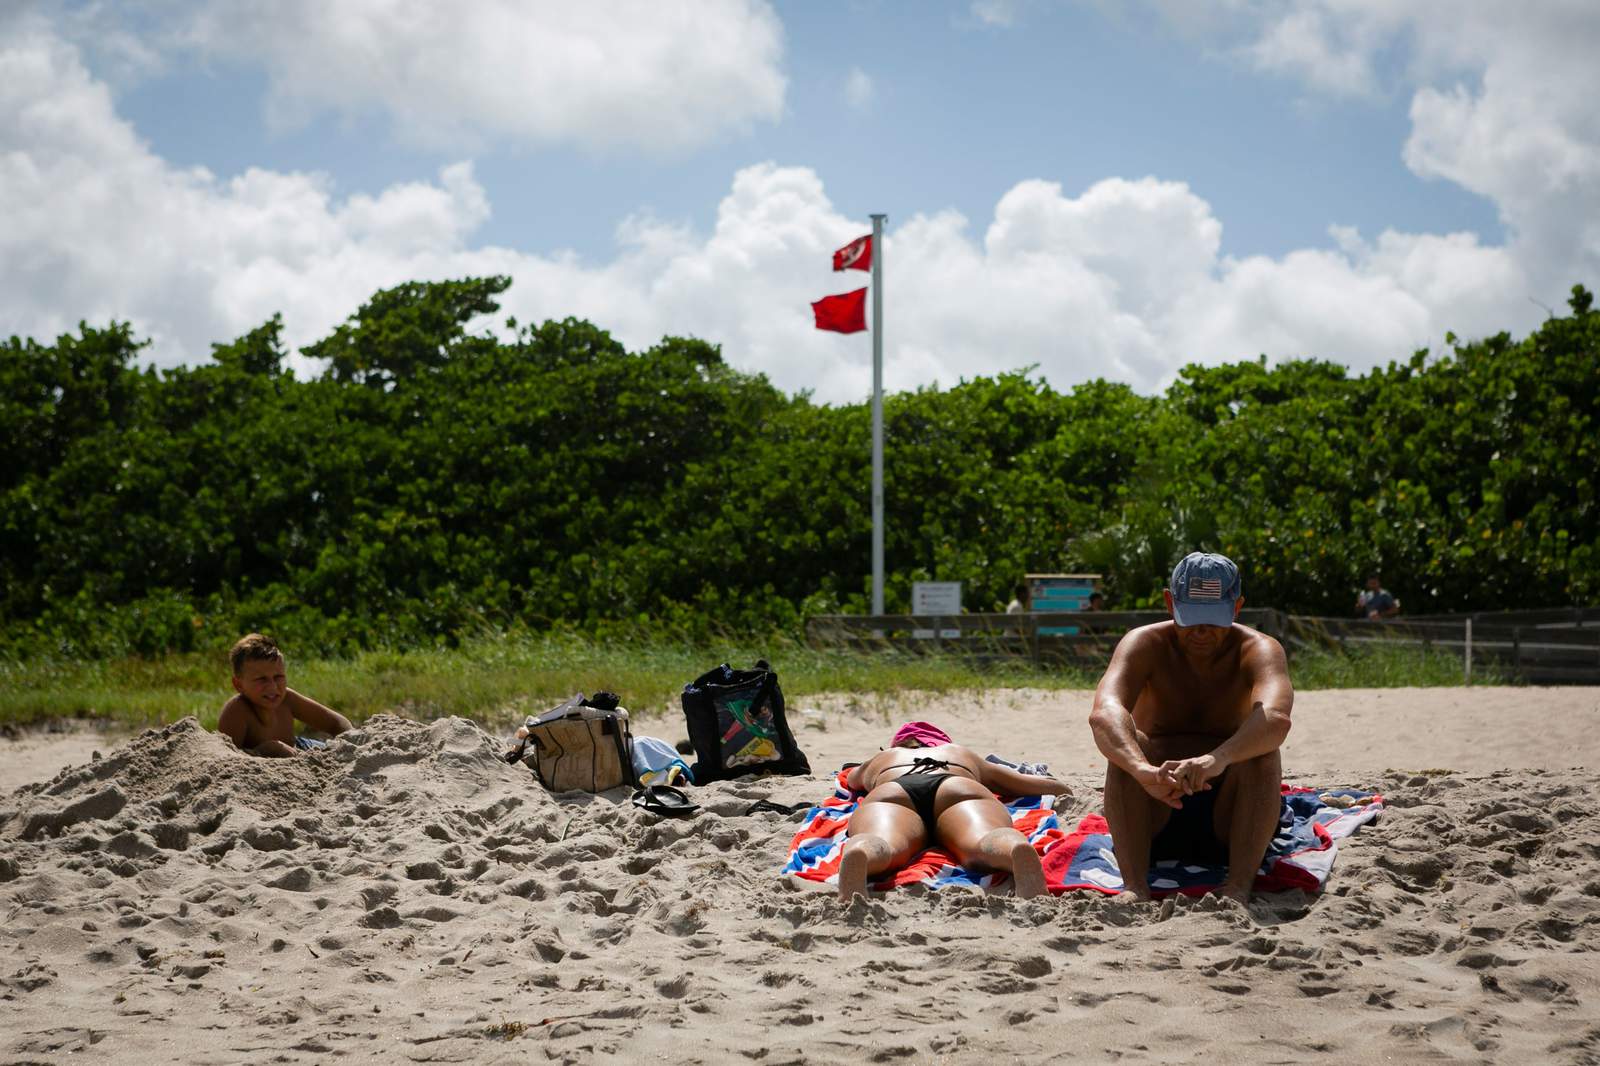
<point>1008,782</point>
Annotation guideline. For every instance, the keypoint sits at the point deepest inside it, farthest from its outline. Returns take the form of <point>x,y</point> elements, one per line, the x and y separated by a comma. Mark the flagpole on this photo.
<point>877,414</point>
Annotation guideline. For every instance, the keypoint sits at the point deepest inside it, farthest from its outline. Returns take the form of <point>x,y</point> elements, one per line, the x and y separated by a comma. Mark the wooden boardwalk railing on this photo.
<point>1555,646</point>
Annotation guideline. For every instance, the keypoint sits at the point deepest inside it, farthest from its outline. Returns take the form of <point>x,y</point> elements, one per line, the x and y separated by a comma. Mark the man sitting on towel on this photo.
<point>1190,716</point>
<point>925,790</point>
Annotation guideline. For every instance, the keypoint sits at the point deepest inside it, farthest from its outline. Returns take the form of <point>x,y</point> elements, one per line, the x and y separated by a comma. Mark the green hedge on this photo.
<point>433,483</point>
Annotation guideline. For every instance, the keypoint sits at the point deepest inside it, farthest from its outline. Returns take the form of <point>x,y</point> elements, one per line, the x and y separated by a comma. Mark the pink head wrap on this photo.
<point>929,736</point>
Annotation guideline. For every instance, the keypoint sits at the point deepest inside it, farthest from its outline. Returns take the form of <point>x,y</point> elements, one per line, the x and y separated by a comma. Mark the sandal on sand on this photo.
<point>776,808</point>
<point>664,800</point>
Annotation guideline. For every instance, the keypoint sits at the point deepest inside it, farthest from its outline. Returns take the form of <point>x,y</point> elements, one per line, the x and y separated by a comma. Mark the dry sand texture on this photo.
<point>406,896</point>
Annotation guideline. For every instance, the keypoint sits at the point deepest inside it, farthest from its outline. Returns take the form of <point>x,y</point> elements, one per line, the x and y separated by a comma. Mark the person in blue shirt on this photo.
<point>1375,602</point>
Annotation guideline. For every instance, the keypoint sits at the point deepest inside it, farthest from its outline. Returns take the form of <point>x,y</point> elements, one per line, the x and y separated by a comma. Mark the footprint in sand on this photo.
<point>170,836</point>
<point>296,880</point>
<point>269,837</point>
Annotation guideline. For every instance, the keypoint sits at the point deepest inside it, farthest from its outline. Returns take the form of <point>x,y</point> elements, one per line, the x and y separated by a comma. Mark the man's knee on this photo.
<point>1263,769</point>
<point>1119,779</point>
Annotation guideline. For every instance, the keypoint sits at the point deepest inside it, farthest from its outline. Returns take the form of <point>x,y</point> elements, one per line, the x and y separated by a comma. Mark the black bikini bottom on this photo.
<point>922,788</point>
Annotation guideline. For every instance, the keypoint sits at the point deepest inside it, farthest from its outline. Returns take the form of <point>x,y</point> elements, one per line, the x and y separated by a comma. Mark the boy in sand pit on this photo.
<point>925,790</point>
<point>260,719</point>
<point>1190,716</point>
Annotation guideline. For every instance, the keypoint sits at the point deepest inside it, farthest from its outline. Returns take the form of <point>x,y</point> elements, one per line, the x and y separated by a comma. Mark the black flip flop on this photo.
<point>664,800</point>
<point>776,808</point>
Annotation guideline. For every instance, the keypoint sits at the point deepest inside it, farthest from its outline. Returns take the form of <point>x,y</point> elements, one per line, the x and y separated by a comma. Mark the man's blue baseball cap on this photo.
<point>1204,589</point>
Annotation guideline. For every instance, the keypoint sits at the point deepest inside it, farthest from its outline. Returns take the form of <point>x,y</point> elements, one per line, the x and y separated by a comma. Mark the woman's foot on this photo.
<point>852,874</point>
<point>1027,872</point>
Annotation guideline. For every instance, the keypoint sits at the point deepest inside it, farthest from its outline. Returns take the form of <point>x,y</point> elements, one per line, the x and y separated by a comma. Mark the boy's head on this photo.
<point>259,673</point>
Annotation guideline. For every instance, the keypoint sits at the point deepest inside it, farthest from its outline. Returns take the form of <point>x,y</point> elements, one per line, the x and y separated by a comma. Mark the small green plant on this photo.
<point>505,1030</point>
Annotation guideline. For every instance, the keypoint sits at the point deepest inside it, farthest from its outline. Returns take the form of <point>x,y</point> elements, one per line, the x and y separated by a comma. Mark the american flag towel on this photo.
<point>814,852</point>
<point>1300,856</point>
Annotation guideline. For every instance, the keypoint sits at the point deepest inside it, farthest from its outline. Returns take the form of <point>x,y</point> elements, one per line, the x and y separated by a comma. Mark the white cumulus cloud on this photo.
<point>1123,279</point>
<point>1502,103</point>
<point>655,75</point>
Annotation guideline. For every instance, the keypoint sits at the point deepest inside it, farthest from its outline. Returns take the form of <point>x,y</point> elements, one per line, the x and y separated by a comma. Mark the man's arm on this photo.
<point>1008,782</point>
<point>1112,717</point>
<point>1262,731</point>
<point>315,715</point>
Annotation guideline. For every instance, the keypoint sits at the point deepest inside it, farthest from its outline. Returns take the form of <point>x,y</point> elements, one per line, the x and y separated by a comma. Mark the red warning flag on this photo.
<point>845,313</point>
<point>857,255</point>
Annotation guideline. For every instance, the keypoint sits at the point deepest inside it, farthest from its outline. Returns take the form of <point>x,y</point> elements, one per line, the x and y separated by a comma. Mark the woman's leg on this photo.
<point>977,829</point>
<point>883,833</point>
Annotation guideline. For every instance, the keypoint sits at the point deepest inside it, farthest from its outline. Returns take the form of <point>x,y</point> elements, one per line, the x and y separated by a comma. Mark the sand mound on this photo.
<point>402,853</point>
<point>405,894</point>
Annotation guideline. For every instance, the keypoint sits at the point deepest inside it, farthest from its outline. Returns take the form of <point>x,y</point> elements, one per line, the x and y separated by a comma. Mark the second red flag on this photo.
<point>845,313</point>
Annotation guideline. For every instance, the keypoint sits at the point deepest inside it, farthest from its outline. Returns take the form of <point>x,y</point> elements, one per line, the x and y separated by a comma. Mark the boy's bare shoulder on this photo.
<point>236,719</point>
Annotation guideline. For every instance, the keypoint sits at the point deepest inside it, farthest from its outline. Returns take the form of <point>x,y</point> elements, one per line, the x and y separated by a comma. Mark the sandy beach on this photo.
<point>405,895</point>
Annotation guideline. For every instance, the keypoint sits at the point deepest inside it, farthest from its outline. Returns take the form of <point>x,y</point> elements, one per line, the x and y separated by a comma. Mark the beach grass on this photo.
<point>1387,666</point>
<point>493,680</point>
<point>497,679</point>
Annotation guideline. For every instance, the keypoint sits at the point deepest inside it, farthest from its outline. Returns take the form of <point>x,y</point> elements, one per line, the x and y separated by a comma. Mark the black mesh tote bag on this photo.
<point>737,726</point>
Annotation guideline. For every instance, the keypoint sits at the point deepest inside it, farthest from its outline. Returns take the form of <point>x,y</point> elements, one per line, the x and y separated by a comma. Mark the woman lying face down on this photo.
<point>925,790</point>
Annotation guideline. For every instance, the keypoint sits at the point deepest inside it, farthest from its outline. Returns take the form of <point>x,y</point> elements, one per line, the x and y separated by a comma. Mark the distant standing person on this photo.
<point>1190,716</point>
<point>1097,602</point>
<point>260,718</point>
<point>1019,599</point>
<point>1376,602</point>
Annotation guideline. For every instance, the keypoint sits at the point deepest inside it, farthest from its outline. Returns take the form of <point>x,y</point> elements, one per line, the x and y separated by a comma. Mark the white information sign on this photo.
<point>935,598</point>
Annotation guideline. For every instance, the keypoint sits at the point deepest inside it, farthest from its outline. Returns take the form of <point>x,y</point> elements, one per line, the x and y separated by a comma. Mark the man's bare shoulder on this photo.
<point>1258,646</point>
<point>1147,639</point>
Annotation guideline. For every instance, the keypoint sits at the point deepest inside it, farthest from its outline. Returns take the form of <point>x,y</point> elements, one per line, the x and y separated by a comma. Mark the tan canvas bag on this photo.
<point>580,748</point>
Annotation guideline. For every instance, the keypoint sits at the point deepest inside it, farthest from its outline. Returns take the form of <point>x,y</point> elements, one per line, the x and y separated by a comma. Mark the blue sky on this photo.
<point>960,111</point>
<point>1096,190</point>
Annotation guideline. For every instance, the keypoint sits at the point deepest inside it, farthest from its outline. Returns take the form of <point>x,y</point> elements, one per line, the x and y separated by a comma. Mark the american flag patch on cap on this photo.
<point>1205,588</point>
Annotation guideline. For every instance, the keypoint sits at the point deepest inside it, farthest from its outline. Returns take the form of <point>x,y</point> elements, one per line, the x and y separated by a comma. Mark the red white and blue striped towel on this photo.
<point>814,852</point>
<point>1301,854</point>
